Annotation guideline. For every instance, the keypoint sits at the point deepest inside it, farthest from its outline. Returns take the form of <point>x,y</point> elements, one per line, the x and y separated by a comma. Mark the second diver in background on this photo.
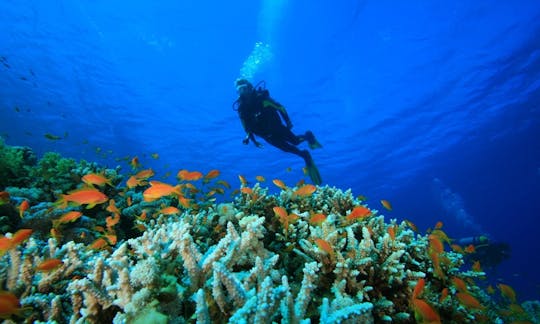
<point>263,116</point>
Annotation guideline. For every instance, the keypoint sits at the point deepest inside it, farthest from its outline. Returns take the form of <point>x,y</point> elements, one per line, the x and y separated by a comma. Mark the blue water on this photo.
<point>433,106</point>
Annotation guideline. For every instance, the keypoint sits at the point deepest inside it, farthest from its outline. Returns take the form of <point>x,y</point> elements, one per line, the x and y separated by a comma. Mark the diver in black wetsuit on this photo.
<point>263,116</point>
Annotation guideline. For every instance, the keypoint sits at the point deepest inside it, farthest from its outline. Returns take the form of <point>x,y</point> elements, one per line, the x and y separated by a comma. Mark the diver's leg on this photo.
<point>312,141</point>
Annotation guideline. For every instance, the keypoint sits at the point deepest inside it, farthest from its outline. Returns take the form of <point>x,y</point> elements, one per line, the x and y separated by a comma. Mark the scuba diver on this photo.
<point>263,116</point>
<point>490,254</point>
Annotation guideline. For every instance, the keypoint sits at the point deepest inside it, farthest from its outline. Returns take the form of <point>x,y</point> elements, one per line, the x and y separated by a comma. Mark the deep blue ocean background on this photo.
<point>433,106</point>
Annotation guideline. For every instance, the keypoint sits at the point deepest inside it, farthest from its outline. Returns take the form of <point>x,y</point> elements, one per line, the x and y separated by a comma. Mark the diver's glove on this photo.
<point>245,141</point>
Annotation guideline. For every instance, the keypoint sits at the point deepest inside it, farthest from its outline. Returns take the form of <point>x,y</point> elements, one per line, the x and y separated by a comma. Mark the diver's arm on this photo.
<point>250,136</point>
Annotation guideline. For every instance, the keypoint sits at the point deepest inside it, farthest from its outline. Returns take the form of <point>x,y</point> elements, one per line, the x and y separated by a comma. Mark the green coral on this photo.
<point>15,163</point>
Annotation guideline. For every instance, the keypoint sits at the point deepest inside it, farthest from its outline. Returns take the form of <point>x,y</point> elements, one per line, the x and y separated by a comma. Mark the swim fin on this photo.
<point>313,173</point>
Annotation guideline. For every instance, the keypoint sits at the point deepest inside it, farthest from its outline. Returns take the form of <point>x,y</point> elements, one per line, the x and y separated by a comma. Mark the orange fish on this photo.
<point>439,225</point>
<point>4,197</point>
<point>223,183</point>
<point>49,265</point>
<point>111,221</point>
<point>129,201</point>
<point>490,290</point>
<point>67,218</point>
<point>392,232</point>
<point>5,245</point>
<point>460,284</point>
<point>111,238</point>
<point>189,176</point>
<point>476,266</point>
<point>444,294</point>
<point>20,236</point>
<point>420,284</point>
<point>468,300</point>
<point>171,210</point>
<point>159,189</point>
<point>358,212</point>
<point>98,244</point>
<point>112,207</point>
<point>280,211</point>
<point>10,305</point>
<point>96,179</point>
<point>411,225</point>
<point>507,292</point>
<point>211,174</point>
<point>246,190</point>
<point>260,178</point>
<point>435,244</point>
<point>144,174</point>
<point>135,164</point>
<point>23,207</point>
<point>325,246</point>
<point>305,190</point>
<point>470,249</point>
<point>55,233</point>
<point>280,184</point>
<point>243,180</point>
<point>84,196</point>
<point>317,219</point>
<point>424,313</point>
<point>386,204</point>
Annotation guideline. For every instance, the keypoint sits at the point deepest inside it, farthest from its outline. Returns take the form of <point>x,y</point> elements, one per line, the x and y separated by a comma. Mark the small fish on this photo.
<point>507,292</point>
<point>358,212</point>
<point>49,265</point>
<point>159,189</point>
<point>98,244</point>
<point>468,300</point>
<point>317,219</point>
<point>67,218</point>
<point>438,225</point>
<point>155,156</point>
<point>386,204</point>
<point>418,288</point>
<point>444,294</point>
<point>361,198</point>
<point>224,184</point>
<point>211,174</point>
<point>305,190</point>
<point>435,244</point>
<point>111,239</point>
<point>135,164</point>
<point>325,246</point>
<point>171,210</point>
<point>111,221</point>
<point>490,290</point>
<point>260,178</point>
<point>460,284</point>
<point>189,176</point>
<point>23,207</point>
<point>10,305</point>
<point>411,225</point>
<point>280,211</point>
<point>52,137</point>
<point>246,190</point>
<point>243,180</point>
<point>469,249</point>
<point>476,266</point>
<point>280,184</point>
<point>424,313</point>
<point>5,245</point>
<point>392,232</point>
<point>112,207</point>
<point>96,179</point>
<point>84,196</point>
<point>20,236</point>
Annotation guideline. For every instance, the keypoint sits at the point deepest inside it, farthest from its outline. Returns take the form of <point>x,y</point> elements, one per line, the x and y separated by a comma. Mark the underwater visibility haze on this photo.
<point>427,111</point>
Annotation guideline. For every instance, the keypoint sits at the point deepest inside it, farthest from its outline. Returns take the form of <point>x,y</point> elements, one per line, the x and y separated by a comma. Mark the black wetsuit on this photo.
<point>264,117</point>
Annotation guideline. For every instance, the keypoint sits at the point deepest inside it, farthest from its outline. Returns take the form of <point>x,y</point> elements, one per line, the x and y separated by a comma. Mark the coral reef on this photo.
<point>306,254</point>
